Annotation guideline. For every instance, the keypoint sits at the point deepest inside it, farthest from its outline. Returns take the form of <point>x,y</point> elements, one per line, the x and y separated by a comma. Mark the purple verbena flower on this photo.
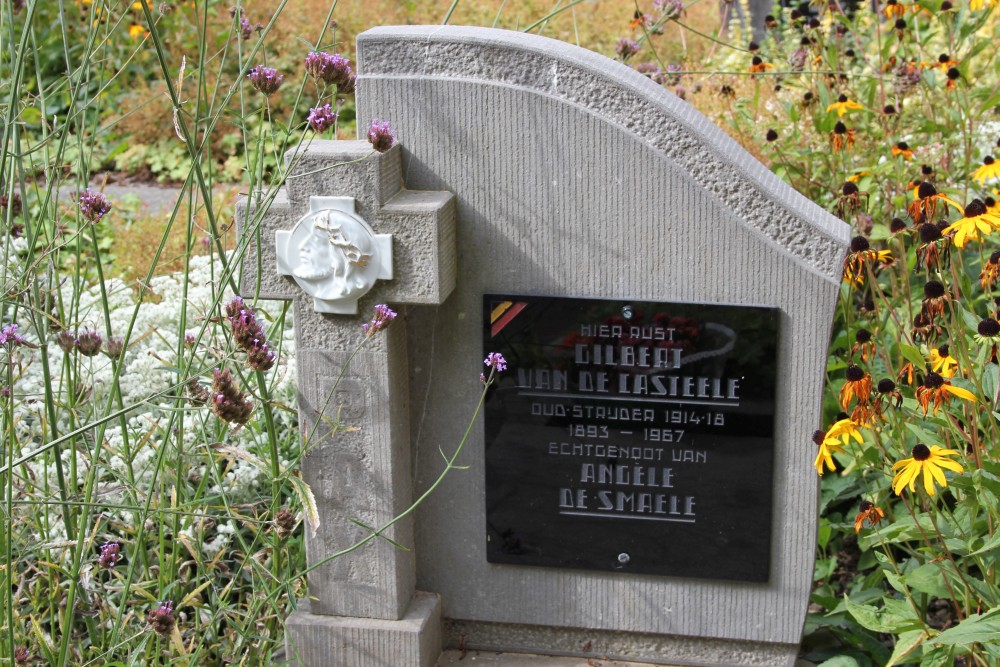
<point>66,340</point>
<point>331,68</point>
<point>626,48</point>
<point>161,619</point>
<point>669,9</point>
<point>246,28</point>
<point>265,79</point>
<point>229,403</point>
<point>114,347</point>
<point>110,555</point>
<point>88,342</point>
<point>249,335</point>
<point>383,316</point>
<point>347,87</point>
<point>322,118</point>
<point>9,336</point>
<point>93,205</point>
<point>381,136</point>
<point>495,361</point>
<point>652,71</point>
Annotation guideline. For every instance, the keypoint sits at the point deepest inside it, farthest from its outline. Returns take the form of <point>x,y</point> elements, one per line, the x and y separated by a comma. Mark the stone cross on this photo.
<point>342,236</point>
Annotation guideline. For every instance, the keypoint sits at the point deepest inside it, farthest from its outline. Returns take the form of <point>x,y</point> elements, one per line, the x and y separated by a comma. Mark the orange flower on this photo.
<point>894,8</point>
<point>870,513</point>
<point>758,65</point>
<point>925,201</point>
<point>864,346</point>
<point>858,386</point>
<point>902,149</point>
<point>841,138</point>
<point>991,271</point>
<point>939,391</point>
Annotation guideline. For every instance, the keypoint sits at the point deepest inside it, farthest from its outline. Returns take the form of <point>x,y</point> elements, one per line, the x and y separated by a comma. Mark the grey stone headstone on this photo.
<point>576,176</point>
<point>573,175</point>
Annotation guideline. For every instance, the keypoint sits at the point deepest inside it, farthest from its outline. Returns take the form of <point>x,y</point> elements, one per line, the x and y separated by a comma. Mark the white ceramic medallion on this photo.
<point>334,255</point>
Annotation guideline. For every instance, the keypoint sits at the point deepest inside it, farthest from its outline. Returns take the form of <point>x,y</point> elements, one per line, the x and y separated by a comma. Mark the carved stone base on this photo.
<point>312,640</point>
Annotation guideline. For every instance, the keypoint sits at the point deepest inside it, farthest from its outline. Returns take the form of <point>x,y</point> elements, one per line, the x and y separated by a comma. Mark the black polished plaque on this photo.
<point>631,436</point>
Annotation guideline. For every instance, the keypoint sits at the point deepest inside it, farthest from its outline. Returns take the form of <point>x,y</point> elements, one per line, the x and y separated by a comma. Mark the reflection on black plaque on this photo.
<point>631,436</point>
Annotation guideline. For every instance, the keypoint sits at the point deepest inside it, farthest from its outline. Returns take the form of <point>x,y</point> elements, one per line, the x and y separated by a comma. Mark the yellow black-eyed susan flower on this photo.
<point>868,512</point>
<point>925,202</point>
<point>927,461</point>
<point>992,205</point>
<point>988,172</point>
<point>942,362</point>
<point>902,149</point>
<point>842,137</point>
<point>135,31</point>
<point>976,5</point>
<point>860,253</point>
<point>834,440</point>
<point>976,222</point>
<point>857,387</point>
<point>936,391</point>
<point>844,105</point>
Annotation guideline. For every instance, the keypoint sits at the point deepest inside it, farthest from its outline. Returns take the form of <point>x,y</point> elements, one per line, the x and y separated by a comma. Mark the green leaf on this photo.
<point>929,579</point>
<point>907,643</point>
<point>989,380</point>
<point>976,629</point>
<point>840,661</point>
<point>939,657</point>
<point>895,616</point>
<point>913,355</point>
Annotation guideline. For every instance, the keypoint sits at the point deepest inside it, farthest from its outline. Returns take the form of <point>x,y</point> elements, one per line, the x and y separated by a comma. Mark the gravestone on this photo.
<point>639,486</point>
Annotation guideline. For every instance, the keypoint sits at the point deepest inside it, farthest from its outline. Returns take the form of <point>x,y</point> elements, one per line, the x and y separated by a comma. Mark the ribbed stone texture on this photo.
<point>576,176</point>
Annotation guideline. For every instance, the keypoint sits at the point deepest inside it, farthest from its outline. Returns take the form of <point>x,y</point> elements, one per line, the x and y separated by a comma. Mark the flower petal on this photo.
<point>961,393</point>
<point>928,480</point>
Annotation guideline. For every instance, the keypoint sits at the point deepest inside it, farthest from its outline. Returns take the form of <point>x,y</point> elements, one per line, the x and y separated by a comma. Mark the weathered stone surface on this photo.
<point>576,176</point>
<point>334,641</point>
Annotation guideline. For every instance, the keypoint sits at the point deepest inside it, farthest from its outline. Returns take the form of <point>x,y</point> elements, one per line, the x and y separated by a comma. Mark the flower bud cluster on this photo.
<point>249,335</point>
<point>383,316</point>
<point>93,205</point>
<point>381,136</point>
<point>265,79</point>
<point>229,402</point>
<point>161,619</point>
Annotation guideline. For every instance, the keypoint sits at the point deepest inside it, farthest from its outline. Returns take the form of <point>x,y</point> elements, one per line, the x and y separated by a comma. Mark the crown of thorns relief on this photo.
<point>322,221</point>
